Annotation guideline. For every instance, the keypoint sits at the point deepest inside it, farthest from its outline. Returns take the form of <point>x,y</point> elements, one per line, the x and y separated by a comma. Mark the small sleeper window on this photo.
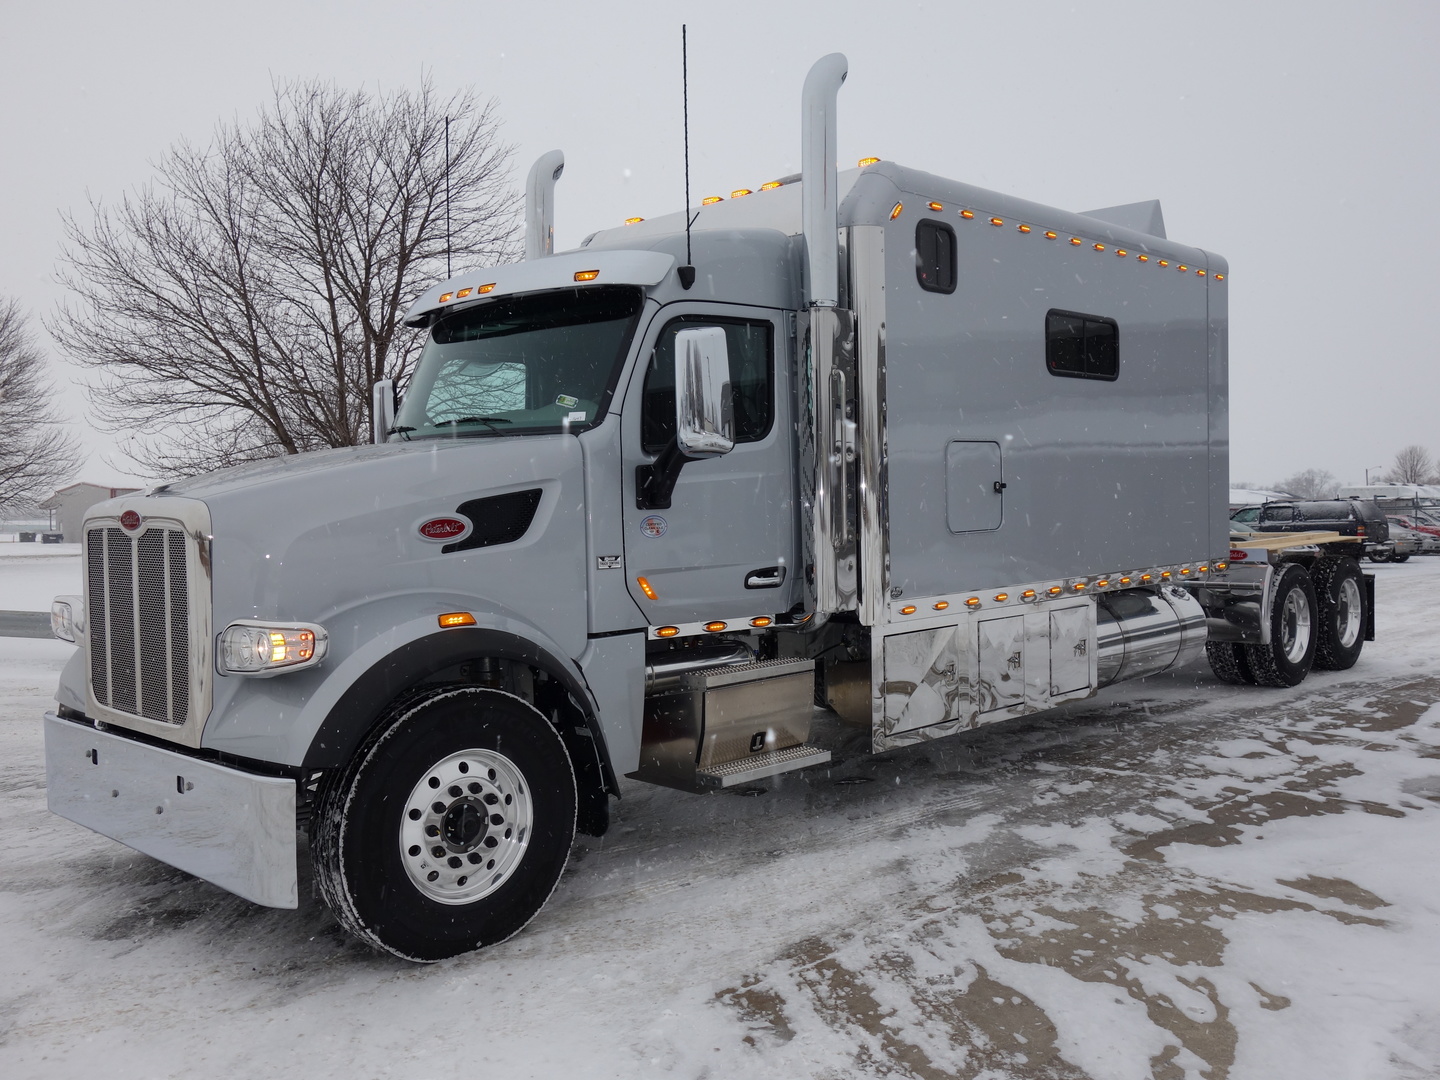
<point>935,256</point>
<point>1082,346</point>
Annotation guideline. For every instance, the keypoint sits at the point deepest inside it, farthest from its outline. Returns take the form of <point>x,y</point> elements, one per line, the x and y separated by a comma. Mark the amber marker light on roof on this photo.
<point>485,288</point>
<point>646,588</point>
<point>1164,262</point>
<point>1143,258</point>
<point>896,212</point>
<point>967,214</point>
<point>908,609</point>
<point>1028,594</point>
<point>997,222</point>
<point>714,627</point>
<point>711,200</point>
<point>1001,597</point>
<point>1050,235</point>
<point>1076,241</point>
<point>865,162</point>
<point>456,618</point>
<point>1099,247</point>
<point>771,185</point>
<point>1121,252</point>
<point>445,298</point>
<point>972,601</point>
<point>1022,228</point>
<point>740,193</point>
<point>941,605</point>
<point>1219,277</point>
<point>937,207</point>
<point>1199,273</point>
<point>586,275</point>
<point>633,220</point>
<point>761,621</point>
<point>1182,268</point>
<point>666,631</point>
<point>463,293</point>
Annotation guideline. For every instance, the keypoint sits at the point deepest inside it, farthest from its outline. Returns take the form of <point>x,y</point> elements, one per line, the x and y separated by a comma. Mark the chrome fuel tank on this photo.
<point>1142,633</point>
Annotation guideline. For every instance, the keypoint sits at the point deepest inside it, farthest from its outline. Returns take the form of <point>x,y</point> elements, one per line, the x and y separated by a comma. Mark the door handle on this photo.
<point>768,577</point>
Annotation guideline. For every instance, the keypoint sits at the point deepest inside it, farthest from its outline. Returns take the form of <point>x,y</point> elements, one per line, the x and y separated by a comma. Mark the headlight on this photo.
<point>251,647</point>
<point>67,618</point>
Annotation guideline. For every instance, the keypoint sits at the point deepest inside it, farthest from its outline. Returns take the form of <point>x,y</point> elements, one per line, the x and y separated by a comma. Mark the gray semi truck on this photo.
<point>926,454</point>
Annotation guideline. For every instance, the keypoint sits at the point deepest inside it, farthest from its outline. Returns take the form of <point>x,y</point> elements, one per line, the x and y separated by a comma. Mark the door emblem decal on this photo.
<point>653,526</point>
<point>444,530</point>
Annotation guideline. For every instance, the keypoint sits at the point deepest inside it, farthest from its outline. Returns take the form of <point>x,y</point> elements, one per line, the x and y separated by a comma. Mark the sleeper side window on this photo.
<point>1082,346</point>
<point>935,256</point>
<point>749,344</point>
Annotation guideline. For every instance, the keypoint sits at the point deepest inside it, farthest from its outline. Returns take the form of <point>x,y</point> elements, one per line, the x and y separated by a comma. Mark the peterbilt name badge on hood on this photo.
<point>444,530</point>
<point>130,521</point>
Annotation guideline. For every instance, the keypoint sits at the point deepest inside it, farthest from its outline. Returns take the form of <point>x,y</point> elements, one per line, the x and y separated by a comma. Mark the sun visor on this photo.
<point>555,272</point>
<point>1142,217</point>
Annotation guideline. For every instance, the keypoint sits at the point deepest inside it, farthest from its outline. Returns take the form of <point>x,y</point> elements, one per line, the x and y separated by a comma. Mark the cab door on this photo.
<point>724,549</point>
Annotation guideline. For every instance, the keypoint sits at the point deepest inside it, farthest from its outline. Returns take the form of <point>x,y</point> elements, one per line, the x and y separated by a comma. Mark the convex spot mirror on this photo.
<point>382,410</point>
<point>704,412</point>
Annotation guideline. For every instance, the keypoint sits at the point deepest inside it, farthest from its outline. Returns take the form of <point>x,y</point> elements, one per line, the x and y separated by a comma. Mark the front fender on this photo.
<point>314,719</point>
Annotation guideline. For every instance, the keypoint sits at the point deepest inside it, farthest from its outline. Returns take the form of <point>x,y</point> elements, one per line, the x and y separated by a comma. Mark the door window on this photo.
<point>751,351</point>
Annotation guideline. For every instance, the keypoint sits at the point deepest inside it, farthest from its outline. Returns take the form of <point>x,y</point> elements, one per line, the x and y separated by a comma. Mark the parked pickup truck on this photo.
<point>1348,517</point>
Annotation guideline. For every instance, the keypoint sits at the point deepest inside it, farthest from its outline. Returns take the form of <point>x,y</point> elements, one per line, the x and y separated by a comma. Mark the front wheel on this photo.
<point>1340,596</point>
<point>1291,652</point>
<point>449,829</point>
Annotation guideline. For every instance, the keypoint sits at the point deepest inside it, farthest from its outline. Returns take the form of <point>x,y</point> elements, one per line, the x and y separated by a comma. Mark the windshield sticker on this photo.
<point>565,401</point>
<point>576,417</point>
<point>653,526</point>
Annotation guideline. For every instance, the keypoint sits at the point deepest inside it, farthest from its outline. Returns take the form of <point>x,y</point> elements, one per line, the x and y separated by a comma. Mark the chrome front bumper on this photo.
<point>232,828</point>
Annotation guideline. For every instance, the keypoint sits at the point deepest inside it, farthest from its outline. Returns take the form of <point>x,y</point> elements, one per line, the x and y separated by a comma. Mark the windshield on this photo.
<point>525,365</point>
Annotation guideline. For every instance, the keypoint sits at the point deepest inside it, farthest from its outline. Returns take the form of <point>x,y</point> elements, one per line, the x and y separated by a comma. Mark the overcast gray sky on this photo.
<point>1299,140</point>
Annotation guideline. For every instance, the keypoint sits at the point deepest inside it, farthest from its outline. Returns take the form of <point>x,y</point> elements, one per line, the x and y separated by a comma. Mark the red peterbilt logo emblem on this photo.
<point>1236,555</point>
<point>443,528</point>
<point>130,521</point>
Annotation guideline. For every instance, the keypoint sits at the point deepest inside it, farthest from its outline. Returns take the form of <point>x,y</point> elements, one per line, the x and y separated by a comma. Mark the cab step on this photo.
<point>760,766</point>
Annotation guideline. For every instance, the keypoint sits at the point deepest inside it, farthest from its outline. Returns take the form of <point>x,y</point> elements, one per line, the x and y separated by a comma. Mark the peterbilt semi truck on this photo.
<point>923,454</point>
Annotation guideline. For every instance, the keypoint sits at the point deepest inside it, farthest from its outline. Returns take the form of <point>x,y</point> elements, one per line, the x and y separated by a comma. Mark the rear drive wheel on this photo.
<point>450,828</point>
<point>1340,599</point>
<point>1380,556</point>
<point>1229,662</point>
<point>1291,652</point>
<point>1398,558</point>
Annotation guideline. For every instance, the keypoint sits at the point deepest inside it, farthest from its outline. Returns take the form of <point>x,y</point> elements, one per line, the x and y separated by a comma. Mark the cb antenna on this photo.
<point>447,196</point>
<point>686,273</point>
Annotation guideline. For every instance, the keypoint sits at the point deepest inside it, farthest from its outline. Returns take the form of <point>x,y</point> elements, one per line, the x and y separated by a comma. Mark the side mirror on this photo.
<point>382,410</point>
<point>704,412</point>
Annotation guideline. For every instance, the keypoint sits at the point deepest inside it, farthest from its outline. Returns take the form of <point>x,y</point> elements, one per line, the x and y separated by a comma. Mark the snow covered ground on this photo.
<point>1176,879</point>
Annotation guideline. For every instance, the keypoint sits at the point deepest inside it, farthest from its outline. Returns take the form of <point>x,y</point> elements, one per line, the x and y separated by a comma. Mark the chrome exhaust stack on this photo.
<point>818,200</point>
<point>540,204</point>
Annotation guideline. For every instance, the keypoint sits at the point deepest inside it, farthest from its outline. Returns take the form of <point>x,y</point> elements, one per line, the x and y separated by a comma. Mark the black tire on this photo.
<point>1398,558</point>
<point>1229,662</point>
<point>493,839</point>
<point>1293,631</point>
<point>1376,556</point>
<point>1340,599</point>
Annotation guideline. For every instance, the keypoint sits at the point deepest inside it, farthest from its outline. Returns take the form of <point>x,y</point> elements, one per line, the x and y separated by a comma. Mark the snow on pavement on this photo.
<point>1175,879</point>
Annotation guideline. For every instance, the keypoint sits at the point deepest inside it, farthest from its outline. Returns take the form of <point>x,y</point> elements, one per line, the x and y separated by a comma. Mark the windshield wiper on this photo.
<point>403,431</point>
<point>489,421</point>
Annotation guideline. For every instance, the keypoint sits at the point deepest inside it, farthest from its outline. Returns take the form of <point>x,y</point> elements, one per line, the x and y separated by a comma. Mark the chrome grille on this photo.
<point>139,622</point>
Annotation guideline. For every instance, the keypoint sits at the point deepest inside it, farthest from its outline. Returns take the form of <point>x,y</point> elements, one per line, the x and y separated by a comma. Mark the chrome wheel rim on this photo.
<point>1295,626</point>
<point>1349,612</point>
<point>465,826</point>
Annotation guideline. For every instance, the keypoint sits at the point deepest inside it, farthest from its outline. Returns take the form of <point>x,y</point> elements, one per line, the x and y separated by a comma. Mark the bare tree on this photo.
<point>1310,484</point>
<point>242,305</point>
<point>36,455</point>
<point>1413,465</point>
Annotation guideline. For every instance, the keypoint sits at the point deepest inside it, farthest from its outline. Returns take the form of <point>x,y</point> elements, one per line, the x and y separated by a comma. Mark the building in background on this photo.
<point>68,505</point>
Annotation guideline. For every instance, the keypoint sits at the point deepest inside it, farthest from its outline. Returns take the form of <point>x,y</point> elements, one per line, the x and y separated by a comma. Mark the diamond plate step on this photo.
<point>762,765</point>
